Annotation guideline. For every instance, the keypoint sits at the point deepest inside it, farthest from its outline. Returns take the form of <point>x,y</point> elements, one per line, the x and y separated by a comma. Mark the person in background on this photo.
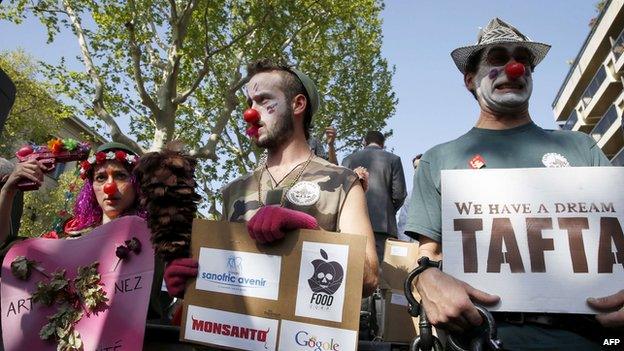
<point>402,220</point>
<point>386,186</point>
<point>317,147</point>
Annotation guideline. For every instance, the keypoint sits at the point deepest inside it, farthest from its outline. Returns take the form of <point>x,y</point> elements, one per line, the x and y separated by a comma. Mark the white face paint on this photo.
<point>499,92</point>
<point>266,96</point>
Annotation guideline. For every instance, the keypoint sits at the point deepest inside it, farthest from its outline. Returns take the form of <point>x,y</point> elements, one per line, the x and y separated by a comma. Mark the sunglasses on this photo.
<point>499,56</point>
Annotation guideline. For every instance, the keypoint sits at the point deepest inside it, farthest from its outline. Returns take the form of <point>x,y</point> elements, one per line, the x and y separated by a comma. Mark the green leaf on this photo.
<point>47,331</point>
<point>88,288</point>
<point>21,267</point>
<point>49,292</point>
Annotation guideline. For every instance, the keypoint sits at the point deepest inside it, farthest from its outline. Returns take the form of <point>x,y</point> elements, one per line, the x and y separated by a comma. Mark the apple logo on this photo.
<point>327,276</point>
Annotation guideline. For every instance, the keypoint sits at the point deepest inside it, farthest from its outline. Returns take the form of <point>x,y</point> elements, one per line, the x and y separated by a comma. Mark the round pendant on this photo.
<point>304,193</point>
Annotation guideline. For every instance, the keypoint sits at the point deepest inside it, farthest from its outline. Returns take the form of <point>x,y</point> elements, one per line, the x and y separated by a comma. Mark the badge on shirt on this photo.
<point>555,160</point>
<point>304,193</point>
<point>476,162</point>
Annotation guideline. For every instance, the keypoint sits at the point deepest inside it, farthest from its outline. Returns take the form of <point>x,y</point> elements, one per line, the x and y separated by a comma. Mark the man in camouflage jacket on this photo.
<point>293,188</point>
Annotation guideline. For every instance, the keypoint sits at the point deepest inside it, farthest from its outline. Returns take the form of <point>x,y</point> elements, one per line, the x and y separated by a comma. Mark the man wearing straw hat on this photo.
<point>498,72</point>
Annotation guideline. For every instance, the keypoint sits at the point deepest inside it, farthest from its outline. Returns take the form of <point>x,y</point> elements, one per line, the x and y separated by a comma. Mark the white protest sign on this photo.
<point>239,273</point>
<point>296,336</point>
<point>230,329</point>
<point>543,239</point>
<point>322,280</point>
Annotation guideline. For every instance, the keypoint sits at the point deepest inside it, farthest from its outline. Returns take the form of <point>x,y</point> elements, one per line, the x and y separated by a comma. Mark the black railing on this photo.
<point>580,53</point>
<point>594,85</point>
<point>618,159</point>
<point>571,121</point>
<point>604,123</point>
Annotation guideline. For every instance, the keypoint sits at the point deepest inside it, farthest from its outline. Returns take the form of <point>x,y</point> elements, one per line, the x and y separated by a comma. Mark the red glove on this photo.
<point>270,223</point>
<point>177,273</point>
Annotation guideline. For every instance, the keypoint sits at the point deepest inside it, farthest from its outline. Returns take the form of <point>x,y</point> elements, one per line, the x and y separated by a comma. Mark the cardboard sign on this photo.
<point>399,325</point>
<point>399,259</point>
<point>543,239</point>
<point>121,326</point>
<point>302,293</point>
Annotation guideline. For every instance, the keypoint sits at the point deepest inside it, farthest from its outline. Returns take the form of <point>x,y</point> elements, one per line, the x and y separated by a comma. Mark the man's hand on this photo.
<point>177,273</point>
<point>330,135</point>
<point>448,301</point>
<point>614,303</point>
<point>271,222</point>
<point>362,174</point>
<point>32,170</point>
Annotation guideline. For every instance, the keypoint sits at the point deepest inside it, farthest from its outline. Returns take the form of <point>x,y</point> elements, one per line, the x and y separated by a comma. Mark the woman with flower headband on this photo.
<point>109,190</point>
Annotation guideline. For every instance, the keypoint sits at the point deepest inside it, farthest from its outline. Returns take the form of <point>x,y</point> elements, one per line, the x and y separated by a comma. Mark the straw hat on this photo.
<point>498,32</point>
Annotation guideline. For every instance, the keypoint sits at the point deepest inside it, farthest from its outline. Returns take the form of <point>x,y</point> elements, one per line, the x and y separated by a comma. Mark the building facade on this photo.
<point>591,99</point>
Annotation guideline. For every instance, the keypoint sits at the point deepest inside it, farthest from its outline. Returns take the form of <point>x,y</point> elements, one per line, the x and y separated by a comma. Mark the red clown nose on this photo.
<point>110,188</point>
<point>251,116</point>
<point>514,70</point>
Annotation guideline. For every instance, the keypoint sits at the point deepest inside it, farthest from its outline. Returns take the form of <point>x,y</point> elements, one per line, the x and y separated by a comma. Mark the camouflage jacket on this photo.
<point>320,191</point>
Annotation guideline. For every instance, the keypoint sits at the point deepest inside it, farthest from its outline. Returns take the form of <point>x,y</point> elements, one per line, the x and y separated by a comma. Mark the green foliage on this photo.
<point>83,294</point>
<point>69,340</point>
<point>176,69</point>
<point>60,327</point>
<point>36,114</point>
<point>54,290</point>
<point>87,287</point>
<point>47,209</point>
<point>599,7</point>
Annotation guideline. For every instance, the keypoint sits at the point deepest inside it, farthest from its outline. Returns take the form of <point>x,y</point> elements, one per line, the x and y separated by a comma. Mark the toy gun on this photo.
<point>57,151</point>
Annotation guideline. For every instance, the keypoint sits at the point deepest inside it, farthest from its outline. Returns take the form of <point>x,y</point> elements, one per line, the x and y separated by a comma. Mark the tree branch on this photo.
<point>167,91</point>
<point>179,27</point>
<point>238,151</point>
<point>154,58</point>
<point>135,53</point>
<point>40,9</point>
<point>288,41</point>
<point>202,73</point>
<point>157,39</point>
<point>245,162</point>
<point>98,98</point>
<point>231,101</point>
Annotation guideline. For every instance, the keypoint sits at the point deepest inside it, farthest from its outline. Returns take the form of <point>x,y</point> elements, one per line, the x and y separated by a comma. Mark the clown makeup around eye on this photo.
<point>113,189</point>
<point>499,56</point>
<point>276,123</point>
<point>498,89</point>
<point>265,101</point>
<point>103,174</point>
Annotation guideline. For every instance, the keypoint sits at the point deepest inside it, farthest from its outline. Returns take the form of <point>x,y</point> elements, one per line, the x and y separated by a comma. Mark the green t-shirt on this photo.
<point>526,146</point>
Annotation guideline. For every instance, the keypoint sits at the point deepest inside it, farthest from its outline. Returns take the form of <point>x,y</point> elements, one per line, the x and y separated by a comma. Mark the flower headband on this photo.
<point>101,157</point>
